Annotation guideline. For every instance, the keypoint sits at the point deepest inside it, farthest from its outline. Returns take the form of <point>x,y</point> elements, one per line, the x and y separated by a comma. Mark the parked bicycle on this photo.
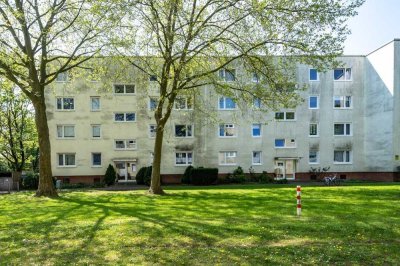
<point>332,180</point>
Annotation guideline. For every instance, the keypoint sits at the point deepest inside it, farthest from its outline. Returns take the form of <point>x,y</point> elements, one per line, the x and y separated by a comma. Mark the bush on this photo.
<point>281,181</point>
<point>30,181</point>
<point>75,186</point>
<point>187,176</point>
<point>204,176</point>
<point>109,178</point>
<point>265,178</point>
<point>238,176</point>
<point>147,175</point>
<point>143,176</point>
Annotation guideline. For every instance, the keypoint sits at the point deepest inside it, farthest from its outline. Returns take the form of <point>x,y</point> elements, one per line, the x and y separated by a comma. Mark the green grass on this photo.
<point>247,225</point>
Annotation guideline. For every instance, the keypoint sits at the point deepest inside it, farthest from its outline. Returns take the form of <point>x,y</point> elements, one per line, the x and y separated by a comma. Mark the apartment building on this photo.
<point>349,121</point>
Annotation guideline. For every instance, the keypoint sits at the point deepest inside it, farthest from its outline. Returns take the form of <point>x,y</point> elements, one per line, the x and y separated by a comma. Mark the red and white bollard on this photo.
<point>298,200</point>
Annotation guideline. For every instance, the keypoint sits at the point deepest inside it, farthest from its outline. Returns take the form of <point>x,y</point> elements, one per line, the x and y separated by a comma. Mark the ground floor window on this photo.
<point>96,159</point>
<point>227,157</point>
<point>183,158</point>
<point>66,159</point>
<point>256,157</point>
<point>313,157</point>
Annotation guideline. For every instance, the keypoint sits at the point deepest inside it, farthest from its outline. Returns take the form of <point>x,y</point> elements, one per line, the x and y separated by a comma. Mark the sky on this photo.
<point>377,23</point>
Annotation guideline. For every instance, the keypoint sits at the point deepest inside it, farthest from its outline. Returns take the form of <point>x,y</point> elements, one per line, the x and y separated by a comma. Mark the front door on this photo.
<point>126,171</point>
<point>285,169</point>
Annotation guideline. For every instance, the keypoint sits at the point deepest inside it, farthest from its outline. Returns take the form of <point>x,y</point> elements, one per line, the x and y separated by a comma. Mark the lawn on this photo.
<point>247,225</point>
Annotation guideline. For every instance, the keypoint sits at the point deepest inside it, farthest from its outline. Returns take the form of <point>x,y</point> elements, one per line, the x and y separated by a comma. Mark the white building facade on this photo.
<point>349,121</point>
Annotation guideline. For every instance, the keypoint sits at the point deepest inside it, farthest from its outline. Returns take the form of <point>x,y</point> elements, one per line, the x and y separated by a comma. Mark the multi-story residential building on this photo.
<point>349,121</point>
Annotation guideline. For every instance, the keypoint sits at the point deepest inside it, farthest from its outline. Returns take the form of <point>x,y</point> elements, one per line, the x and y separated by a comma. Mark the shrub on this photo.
<point>75,186</point>
<point>238,176</point>
<point>281,181</point>
<point>109,178</point>
<point>265,178</point>
<point>252,174</point>
<point>204,176</point>
<point>187,176</point>
<point>147,175</point>
<point>140,175</point>
<point>30,181</point>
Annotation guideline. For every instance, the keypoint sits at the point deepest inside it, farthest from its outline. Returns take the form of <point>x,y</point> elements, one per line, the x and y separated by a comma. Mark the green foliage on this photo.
<point>143,176</point>
<point>109,177</point>
<point>238,176</point>
<point>147,175</point>
<point>30,181</point>
<point>265,178</point>
<point>281,181</point>
<point>187,175</point>
<point>204,176</point>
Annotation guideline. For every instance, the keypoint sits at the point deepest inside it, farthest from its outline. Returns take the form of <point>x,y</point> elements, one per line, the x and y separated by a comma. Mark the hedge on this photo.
<point>204,176</point>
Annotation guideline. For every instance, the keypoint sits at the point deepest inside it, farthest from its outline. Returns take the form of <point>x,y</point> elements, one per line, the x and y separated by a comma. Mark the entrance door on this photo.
<point>285,169</point>
<point>126,171</point>
<point>280,169</point>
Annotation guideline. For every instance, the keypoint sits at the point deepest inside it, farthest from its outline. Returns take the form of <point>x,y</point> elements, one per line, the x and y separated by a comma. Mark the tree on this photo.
<point>18,137</point>
<point>186,45</point>
<point>40,39</point>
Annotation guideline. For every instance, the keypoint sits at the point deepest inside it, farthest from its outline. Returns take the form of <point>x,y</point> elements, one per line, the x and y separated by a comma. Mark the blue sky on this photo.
<point>377,23</point>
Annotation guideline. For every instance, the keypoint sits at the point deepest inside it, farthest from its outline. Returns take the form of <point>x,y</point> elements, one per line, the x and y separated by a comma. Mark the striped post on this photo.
<point>298,200</point>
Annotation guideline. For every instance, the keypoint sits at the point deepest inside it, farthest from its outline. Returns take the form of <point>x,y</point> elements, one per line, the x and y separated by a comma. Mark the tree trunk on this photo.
<point>46,186</point>
<point>155,185</point>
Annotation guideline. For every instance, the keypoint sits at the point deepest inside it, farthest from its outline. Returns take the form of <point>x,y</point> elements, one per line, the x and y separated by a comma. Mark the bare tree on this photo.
<point>185,44</point>
<point>40,39</point>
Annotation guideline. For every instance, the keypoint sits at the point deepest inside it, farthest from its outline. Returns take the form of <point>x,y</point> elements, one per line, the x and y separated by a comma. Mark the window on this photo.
<point>62,77</point>
<point>342,74</point>
<point>313,130</point>
<point>342,156</point>
<point>65,103</point>
<point>342,129</point>
<point>65,131</point>
<point>66,159</point>
<point>255,78</point>
<point>125,144</point>
<point>313,75</point>
<point>184,158</point>
<point>152,131</point>
<point>227,157</point>
<point>257,103</point>
<point>183,103</point>
<point>313,157</point>
<point>153,104</point>
<point>96,131</point>
<point>342,102</point>
<point>124,117</point>
<point>124,89</point>
<point>256,130</point>
<point>182,131</point>
<point>227,130</point>
<point>227,75</point>
<point>313,102</point>
<point>285,143</point>
<point>285,116</point>
<point>95,103</point>
<point>152,78</point>
<point>256,159</point>
<point>96,159</point>
<point>226,103</point>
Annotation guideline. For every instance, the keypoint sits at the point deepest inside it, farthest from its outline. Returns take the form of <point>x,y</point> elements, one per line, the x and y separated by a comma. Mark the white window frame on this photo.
<point>187,158</point>
<point>309,130</point>
<point>188,103</point>
<point>309,75</point>
<point>126,144</point>
<point>225,126</point>
<point>124,93</point>
<point>62,103</point>
<point>125,114</point>
<point>346,134</point>
<point>286,143</point>
<point>343,100</point>
<point>252,128</point>
<point>309,103</point>
<point>186,130</point>
<point>224,105</point>
<point>152,132</point>
<point>92,127</point>
<point>252,158</point>
<point>101,160</point>
<point>345,156</point>
<point>91,104</point>
<point>255,77</point>
<point>344,74</point>
<point>222,74</point>
<point>259,103</point>
<point>155,99</point>
<point>64,155</point>
<point>63,131</point>
<point>285,116</point>
<point>317,157</point>
<point>225,156</point>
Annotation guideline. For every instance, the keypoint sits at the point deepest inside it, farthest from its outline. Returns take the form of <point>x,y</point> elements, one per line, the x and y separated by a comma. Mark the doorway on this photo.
<point>285,168</point>
<point>126,171</point>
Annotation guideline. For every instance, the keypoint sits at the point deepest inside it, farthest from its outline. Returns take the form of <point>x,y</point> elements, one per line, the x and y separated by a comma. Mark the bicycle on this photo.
<point>332,180</point>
